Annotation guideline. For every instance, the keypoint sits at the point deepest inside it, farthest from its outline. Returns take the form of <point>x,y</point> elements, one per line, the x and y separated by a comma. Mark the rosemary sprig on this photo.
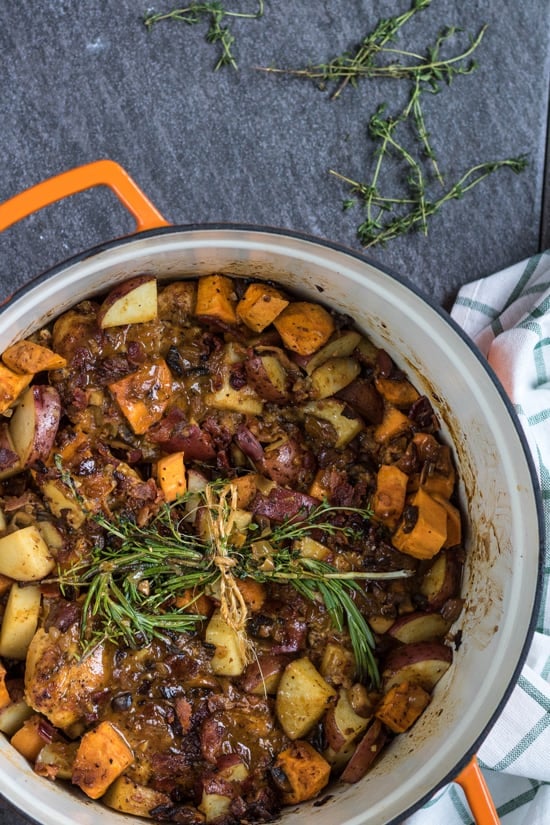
<point>130,584</point>
<point>217,33</point>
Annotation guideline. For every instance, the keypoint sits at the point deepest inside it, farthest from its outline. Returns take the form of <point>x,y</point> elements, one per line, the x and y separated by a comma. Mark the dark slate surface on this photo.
<point>82,81</point>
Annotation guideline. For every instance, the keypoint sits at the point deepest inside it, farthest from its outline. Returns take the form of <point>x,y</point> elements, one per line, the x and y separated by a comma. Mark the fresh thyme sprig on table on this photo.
<point>217,32</point>
<point>403,140</point>
<point>131,583</point>
<point>365,61</point>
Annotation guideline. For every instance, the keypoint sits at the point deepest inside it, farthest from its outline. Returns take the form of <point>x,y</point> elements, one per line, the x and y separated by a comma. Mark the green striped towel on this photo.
<point>508,316</point>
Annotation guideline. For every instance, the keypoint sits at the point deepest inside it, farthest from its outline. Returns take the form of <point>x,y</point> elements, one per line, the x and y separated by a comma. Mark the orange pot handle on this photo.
<point>472,782</point>
<point>99,173</point>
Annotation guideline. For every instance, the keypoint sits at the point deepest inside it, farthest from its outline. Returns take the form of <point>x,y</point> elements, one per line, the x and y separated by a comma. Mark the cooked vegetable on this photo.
<point>402,705</point>
<point>260,306</point>
<point>397,391</point>
<point>29,739</point>
<point>301,771</point>
<point>389,497</point>
<point>342,725</point>
<point>365,753</point>
<point>394,423</point>
<point>423,530</point>
<point>302,698</point>
<point>34,423</point>
<point>5,698</point>
<point>27,357</point>
<point>132,302</point>
<point>103,754</point>
<point>216,299</point>
<point>12,716</point>
<point>344,426</point>
<point>230,656</point>
<point>171,475</point>
<point>333,376</point>
<point>24,555</point>
<point>20,621</point>
<point>11,385</point>
<point>229,535</point>
<point>419,627</point>
<point>127,796</point>
<point>143,395</point>
<point>304,327</point>
<point>422,663</point>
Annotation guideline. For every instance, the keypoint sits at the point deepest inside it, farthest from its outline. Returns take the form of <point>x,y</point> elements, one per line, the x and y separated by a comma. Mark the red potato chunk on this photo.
<point>419,627</point>
<point>268,377</point>
<point>422,663</point>
<point>442,579</point>
<point>365,753</point>
<point>289,464</point>
<point>132,302</point>
<point>34,424</point>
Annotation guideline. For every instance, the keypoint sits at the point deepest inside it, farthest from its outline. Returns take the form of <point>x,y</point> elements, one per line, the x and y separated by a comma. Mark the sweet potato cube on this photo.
<point>216,299</point>
<point>27,357</point>
<point>302,771</point>
<point>102,756</point>
<point>260,305</point>
<point>253,593</point>
<point>454,523</point>
<point>28,740</point>
<point>399,393</point>
<point>304,327</point>
<point>12,385</point>
<point>402,705</point>
<point>191,601</point>
<point>393,423</point>
<point>143,395</point>
<point>171,475</point>
<point>429,533</point>
<point>390,493</point>
<point>5,698</point>
<point>438,483</point>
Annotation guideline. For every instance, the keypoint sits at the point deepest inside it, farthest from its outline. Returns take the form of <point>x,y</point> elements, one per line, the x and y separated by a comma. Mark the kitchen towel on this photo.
<point>507,315</point>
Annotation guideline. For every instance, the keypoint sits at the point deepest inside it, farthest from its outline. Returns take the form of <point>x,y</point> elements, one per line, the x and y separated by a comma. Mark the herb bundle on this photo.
<point>131,583</point>
<point>217,33</point>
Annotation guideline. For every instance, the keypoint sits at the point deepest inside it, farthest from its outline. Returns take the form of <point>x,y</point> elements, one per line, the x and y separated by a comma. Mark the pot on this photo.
<point>498,483</point>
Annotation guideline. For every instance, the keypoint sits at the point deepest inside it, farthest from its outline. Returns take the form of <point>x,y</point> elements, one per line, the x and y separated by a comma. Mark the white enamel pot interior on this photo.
<point>498,490</point>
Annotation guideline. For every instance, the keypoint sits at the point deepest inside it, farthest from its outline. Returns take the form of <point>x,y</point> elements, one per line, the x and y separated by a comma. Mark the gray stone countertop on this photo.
<point>84,81</point>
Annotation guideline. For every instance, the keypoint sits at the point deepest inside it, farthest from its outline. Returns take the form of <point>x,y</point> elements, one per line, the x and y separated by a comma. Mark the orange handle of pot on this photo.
<point>99,173</point>
<point>472,782</point>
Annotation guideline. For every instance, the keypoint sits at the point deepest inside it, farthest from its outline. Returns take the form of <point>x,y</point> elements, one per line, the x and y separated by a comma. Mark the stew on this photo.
<point>230,549</point>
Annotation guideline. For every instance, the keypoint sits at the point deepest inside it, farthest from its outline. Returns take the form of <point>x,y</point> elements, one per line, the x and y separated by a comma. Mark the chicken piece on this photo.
<point>60,684</point>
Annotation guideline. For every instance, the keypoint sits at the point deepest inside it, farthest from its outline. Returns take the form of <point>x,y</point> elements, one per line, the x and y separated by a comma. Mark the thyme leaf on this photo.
<point>217,32</point>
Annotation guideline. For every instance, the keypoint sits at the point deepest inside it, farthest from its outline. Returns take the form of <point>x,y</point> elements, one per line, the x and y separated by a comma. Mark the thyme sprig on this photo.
<point>374,230</point>
<point>131,583</point>
<point>217,33</point>
<point>373,58</point>
<point>403,141</point>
